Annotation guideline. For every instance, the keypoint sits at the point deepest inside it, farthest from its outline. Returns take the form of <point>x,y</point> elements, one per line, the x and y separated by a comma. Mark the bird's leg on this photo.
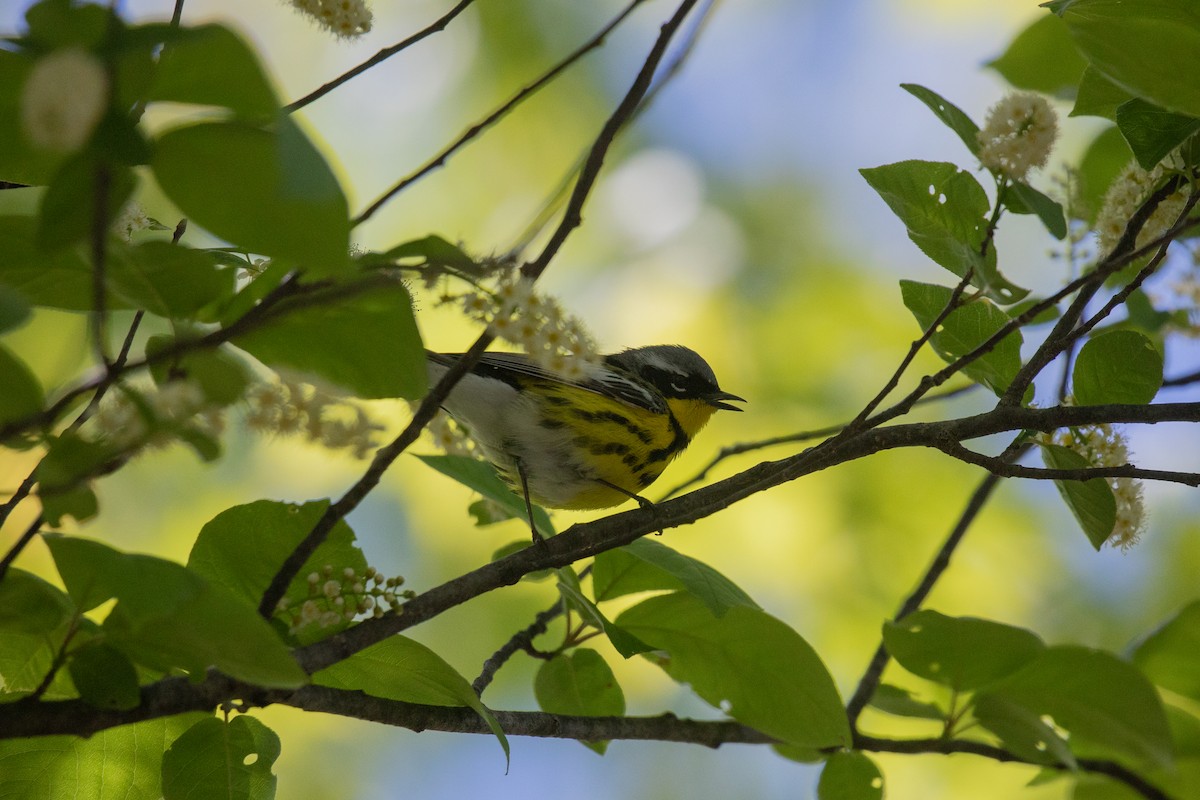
<point>641,501</point>
<point>537,537</point>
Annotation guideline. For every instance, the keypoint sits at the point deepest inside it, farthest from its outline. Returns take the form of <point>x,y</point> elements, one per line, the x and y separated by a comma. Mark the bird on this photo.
<point>588,443</point>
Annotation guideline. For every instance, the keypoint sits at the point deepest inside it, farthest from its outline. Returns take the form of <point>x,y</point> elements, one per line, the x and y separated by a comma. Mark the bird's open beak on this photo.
<point>716,400</point>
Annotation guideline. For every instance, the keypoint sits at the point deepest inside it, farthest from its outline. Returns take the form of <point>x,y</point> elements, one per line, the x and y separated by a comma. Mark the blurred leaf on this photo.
<point>747,663</point>
<point>169,280</point>
<point>1140,46</point>
<point>579,684</point>
<point>1021,198</point>
<point>900,702</point>
<point>1153,132</point>
<point>266,190</point>
<point>79,503</point>
<point>1106,704</point>
<point>122,763</point>
<point>211,65</point>
<point>482,477</point>
<point>1023,731</point>
<point>220,373</point>
<point>22,395</point>
<point>953,116</point>
<point>1098,96</point>
<point>20,162</point>
<point>326,339</point>
<point>104,677</point>
<point>645,565</point>
<point>1102,162</point>
<point>1143,315</point>
<point>850,775</point>
<point>14,309</point>
<point>1042,58</point>
<point>1168,656</point>
<point>965,329</point>
<point>57,280</point>
<point>963,653</point>
<point>29,604</point>
<point>219,759</point>
<point>944,210</point>
<point>432,251</point>
<point>67,212</point>
<point>168,616</point>
<point>1048,315</point>
<point>399,668</point>
<point>1091,501</point>
<point>55,24</point>
<point>1121,366</point>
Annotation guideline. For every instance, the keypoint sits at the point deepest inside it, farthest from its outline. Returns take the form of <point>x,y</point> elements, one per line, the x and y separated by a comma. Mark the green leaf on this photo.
<point>433,251</point>
<point>963,653</point>
<point>104,677</point>
<point>214,758</point>
<point>1121,366</point>
<point>265,190</point>
<point>26,659</point>
<point>965,329</point>
<point>1102,162</point>
<point>749,664</point>
<point>624,642</point>
<point>242,547</point>
<point>22,395</point>
<point>67,212</point>
<point>57,24</point>
<point>644,565</point>
<point>169,280</point>
<point>14,309</point>
<point>1140,46</point>
<point>77,502</point>
<point>327,339</point>
<point>1021,198</point>
<point>399,668</point>
<point>57,280</point>
<point>211,65</point>
<point>1091,501</point>
<point>29,604</point>
<point>483,478</point>
<point>123,763</point>
<point>944,210</point>
<point>1042,59</point>
<point>579,684</point>
<point>900,702</point>
<point>1168,656</point>
<point>1098,96</point>
<point>1106,704</point>
<point>1151,131</point>
<point>221,375</point>
<point>168,616</point>
<point>850,775</point>
<point>20,162</point>
<point>1023,731</point>
<point>953,116</point>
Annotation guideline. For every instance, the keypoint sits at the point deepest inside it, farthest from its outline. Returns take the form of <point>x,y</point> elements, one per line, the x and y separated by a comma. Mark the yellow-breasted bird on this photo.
<point>588,443</point>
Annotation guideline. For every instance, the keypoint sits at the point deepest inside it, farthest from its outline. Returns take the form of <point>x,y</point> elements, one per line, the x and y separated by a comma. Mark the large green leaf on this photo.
<point>22,394</point>
<point>20,161</point>
<point>954,117</point>
<point>267,190</point>
<point>123,763</point>
<point>850,775</point>
<point>211,65</point>
<point>1042,58</point>
<point>482,477</point>
<point>945,210</point>
<point>169,280</point>
<point>963,653</point>
<point>1091,502</point>
<point>219,759</point>
<point>579,683</point>
<point>1169,655</point>
<point>645,565</point>
<point>168,616</point>
<point>965,329</point>
<point>1098,96</point>
<point>399,668</point>
<point>1023,731</point>
<point>1153,132</point>
<point>1141,46</point>
<point>59,280</point>
<point>29,604</point>
<point>366,343</point>
<point>1121,366</point>
<point>104,677</point>
<point>1106,704</point>
<point>749,664</point>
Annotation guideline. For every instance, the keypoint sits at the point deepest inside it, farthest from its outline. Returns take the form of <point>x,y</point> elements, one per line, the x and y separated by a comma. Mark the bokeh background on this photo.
<point>731,218</point>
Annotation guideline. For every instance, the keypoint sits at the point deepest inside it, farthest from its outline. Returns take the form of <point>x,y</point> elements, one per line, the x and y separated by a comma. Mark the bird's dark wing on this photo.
<point>604,380</point>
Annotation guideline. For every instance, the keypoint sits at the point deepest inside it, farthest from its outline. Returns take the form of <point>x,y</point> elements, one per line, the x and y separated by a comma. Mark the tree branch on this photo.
<point>1004,469</point>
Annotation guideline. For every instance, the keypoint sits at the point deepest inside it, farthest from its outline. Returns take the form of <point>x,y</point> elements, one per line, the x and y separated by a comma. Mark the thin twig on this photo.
<point>522,640</point>
<point>20,544</point>
<point>99,251</point>
<point>378,58</point>
<point>496,115</point>
<point>996,466</point>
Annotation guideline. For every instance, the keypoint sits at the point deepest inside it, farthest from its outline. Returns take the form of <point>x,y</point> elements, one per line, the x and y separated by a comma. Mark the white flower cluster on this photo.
<point>1125,196</point>
<point>339,597</point>
<point>536,323</point>
<point>131,220</point>
<point>450,437</point>
<point>1104,446</point>
<point>130,419</point>
<point>1017,135</point>
<point>63,99</point>
<point>342,18</point>
<point>287,409</point>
